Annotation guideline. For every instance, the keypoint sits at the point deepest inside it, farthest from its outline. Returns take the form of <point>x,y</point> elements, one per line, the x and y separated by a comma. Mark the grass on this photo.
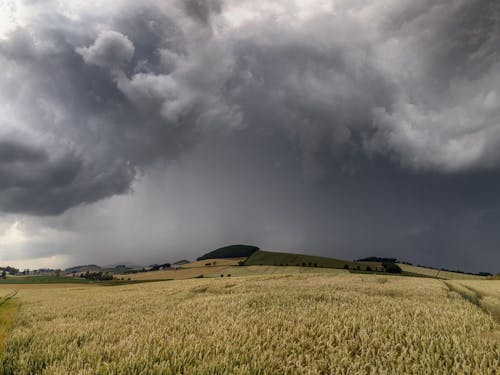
<point>269,258</point>
<point>8,311</point>
<point>297,323</point>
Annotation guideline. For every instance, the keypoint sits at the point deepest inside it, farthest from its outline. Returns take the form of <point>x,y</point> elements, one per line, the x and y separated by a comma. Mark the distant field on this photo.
<point>218,262</point>
<point>188,271</point>
<point>273,270</point>
<point>288,259</point>
<point>42,280</point>
<point>299,324</point>
<point>180,274</point>
<point>438,273</point>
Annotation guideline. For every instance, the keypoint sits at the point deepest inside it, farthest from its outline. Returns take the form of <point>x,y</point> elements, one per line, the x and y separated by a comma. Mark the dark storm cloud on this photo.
<point>374,126</point>
<point>144,87</point>
<point>72,99</point>
<point>202,10</point>
<point>11,151</point>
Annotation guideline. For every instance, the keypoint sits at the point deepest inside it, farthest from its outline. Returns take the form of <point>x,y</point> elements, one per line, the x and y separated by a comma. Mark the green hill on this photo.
<point>232,251</point>
<point>269,258</point>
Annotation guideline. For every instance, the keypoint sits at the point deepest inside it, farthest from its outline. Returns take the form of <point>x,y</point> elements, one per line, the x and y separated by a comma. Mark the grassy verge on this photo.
<point>8,311</point>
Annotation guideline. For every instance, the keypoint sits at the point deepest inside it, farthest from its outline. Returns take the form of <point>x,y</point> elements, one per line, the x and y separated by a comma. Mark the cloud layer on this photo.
<point>326,98</point>
<point>100,95</point>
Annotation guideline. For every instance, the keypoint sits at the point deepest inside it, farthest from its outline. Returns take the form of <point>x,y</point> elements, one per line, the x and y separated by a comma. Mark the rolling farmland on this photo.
<point>187,271</point>
<point>269,258</point>
<point>431,272</point>
<point>273,323</point>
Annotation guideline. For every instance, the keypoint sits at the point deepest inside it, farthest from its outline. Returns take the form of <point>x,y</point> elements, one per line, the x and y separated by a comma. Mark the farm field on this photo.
<point>180,274</point>
<point>188,271</point>
<point>217,262</point>
<point>282,323</point>
<point>269,258</point>
<point>42,280</point>
<point>485,294</point>
<point>236,271</point>
<point>438,273</point>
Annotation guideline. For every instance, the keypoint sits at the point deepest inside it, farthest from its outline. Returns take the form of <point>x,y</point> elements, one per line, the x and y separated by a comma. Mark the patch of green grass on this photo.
<point>8,311</point>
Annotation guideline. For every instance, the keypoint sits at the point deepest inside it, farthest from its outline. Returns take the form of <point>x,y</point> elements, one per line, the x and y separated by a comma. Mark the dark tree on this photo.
<point>391,267</point>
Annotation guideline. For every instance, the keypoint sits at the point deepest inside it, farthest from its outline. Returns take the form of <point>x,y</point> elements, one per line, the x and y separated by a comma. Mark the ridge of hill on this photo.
<point>231,251</point>
<point>83,268</point>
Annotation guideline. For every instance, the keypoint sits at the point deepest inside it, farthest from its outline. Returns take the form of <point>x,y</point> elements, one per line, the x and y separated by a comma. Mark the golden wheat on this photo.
<point>290,324</point>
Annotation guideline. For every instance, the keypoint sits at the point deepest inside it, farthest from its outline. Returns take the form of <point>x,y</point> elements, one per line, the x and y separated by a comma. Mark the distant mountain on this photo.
<point>232,251</point>
<point>181,262</point>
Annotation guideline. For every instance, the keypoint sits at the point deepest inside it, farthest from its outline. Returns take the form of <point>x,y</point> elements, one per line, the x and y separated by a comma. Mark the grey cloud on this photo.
<point>443,60</point>
<point>11,151</point>
<point>136,106</point>
<point>110,49</point>
<point>202,10</point>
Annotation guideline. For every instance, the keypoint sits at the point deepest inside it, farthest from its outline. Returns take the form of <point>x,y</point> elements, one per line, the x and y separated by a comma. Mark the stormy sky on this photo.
<point>139,132</point>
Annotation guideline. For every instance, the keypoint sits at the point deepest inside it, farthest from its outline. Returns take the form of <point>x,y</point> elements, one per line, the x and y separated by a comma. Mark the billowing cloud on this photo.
<point>110,49</point>
<point>94,95</point>
<point>107,94</point>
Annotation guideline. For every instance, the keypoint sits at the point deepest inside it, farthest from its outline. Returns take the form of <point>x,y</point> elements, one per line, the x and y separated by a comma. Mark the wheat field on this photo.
<point>269,324</point>
<point>432,272</point>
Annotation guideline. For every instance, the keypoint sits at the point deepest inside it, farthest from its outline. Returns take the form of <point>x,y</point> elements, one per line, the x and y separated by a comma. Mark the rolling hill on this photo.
<point>268,258</point>
<point>232,251</point>
<point>431,272</point>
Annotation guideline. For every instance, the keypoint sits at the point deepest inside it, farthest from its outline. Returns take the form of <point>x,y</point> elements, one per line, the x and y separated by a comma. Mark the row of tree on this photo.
<point>101,276</point>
